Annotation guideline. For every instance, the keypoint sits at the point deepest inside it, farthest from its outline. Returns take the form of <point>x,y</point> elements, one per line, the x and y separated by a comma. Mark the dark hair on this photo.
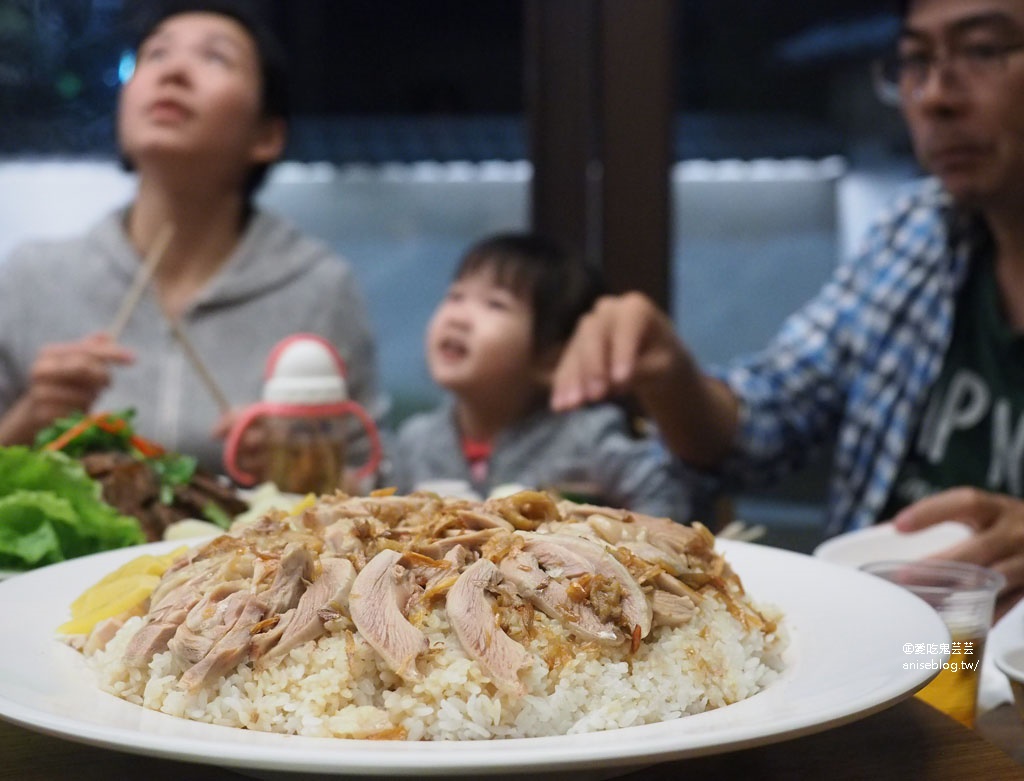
<point>273,61</point>
<point>559,286</point>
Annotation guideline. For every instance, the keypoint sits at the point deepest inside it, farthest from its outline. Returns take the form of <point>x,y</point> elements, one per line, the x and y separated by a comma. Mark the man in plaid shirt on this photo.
<point>911,358</point>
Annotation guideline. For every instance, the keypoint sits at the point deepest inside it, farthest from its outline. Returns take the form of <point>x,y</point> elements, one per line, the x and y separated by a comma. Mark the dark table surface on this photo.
<point>908,741</point>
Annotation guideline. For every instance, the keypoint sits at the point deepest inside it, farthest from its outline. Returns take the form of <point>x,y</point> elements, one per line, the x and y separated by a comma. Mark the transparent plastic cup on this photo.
<point>964,595</point>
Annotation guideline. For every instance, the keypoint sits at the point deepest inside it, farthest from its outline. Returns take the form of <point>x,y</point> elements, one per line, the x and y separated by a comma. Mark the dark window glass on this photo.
<point>404,80</point>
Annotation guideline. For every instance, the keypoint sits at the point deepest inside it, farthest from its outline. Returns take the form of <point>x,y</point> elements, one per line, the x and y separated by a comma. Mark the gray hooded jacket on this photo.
<point>277,282</point>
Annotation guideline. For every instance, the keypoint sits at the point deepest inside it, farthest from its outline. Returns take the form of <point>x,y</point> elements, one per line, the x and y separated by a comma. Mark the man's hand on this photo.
<point>65,377</point>
<point>622,345</point>
<point>627,345</point>
<point>998,539</point>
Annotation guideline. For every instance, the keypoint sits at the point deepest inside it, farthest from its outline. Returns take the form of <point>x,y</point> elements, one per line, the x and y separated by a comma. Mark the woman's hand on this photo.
<point>998,539</point>
<point>65,377</point>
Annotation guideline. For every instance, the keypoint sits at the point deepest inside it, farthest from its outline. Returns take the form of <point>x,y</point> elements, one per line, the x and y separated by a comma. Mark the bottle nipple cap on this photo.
<point>304,369</point>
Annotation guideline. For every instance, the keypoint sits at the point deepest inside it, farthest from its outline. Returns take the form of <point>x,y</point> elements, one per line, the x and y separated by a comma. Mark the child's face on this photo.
<point>480,338</point>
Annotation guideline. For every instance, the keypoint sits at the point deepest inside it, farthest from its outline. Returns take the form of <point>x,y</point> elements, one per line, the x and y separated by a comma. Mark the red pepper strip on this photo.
<point>147,447</point>
<point>71,434</point>
<point>110,425</point>
<point>116,426</point>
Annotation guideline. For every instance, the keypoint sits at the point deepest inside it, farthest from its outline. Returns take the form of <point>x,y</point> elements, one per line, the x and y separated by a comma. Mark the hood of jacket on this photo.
<point>270,252</point>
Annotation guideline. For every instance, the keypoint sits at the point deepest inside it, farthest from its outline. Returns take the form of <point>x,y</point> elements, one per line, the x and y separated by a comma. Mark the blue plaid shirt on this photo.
<point>855,365</point>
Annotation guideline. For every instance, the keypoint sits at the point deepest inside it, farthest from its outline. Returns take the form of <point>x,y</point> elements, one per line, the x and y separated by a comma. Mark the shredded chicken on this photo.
<point>376,565</point>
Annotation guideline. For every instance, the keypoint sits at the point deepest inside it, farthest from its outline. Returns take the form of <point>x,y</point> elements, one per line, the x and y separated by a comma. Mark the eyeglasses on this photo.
<point>900,76</point>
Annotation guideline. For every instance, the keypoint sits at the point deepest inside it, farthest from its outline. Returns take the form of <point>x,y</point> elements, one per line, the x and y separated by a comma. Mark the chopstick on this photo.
<point>156,253</point>
<point>197,363</point>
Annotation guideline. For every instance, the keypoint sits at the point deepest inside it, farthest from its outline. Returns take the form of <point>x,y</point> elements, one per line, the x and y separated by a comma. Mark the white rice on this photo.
<point>338,686</point>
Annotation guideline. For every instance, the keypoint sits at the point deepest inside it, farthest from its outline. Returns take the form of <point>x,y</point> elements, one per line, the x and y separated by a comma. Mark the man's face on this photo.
<point>966,117</point>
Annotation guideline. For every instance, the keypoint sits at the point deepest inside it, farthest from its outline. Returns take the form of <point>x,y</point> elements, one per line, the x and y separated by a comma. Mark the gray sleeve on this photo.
<point>13,323</point>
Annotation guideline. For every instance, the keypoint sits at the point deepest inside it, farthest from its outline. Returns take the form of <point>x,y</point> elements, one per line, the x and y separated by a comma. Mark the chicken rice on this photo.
<point>423,618</point>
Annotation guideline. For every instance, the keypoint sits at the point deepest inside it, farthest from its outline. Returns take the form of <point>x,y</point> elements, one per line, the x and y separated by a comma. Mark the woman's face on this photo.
<point>195,100</point>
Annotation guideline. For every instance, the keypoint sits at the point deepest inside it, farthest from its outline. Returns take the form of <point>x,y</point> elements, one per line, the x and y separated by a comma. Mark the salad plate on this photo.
<point>852,640</point>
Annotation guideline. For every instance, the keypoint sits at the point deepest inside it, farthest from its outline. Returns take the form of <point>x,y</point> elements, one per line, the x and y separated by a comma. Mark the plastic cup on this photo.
<point>964,595</point>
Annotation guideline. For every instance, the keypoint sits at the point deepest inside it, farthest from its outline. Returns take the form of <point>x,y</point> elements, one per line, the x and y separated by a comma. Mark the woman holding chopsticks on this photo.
<point>171,304</point>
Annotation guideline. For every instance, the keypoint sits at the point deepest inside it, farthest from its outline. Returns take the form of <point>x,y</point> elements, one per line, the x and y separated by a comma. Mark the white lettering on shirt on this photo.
<point>965,403</point>
<point>1007,448</point>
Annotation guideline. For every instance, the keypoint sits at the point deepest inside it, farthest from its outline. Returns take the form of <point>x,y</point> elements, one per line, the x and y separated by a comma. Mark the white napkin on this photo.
<point>1008,633</point>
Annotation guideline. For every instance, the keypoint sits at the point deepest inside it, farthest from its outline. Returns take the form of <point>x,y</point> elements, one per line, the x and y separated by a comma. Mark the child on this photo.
<point>492,343</point>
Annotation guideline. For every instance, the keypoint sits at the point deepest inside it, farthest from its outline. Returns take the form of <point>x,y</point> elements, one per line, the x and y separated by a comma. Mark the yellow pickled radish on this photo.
<point>107,591</point>
<point>307,501</point>
<point>168,558</point>
<point>118,591</point>
<point>110,599</point>
<point>147,564</point>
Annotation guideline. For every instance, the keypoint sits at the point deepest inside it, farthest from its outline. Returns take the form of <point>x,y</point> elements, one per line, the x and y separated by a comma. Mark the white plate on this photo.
<point>846,660</point>
<point>883,543</point>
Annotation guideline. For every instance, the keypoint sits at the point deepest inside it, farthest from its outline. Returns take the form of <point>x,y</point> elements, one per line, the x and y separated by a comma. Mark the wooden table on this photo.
<point>908,742</point>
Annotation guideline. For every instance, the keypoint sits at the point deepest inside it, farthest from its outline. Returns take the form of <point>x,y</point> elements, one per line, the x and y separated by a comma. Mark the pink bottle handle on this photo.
<point>249,414</point>
<point>254,411</point>
<point>376,452</point>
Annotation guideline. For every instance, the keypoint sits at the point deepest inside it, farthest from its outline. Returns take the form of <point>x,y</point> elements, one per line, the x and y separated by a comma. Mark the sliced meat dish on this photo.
<point>572,554</point>
<point>474,620</point>
<point>242,611</point>
<point>552,598</point>
<point>293,573</point>
<point>376,604</point>
<point>205,623</point>
<point>326,598</point>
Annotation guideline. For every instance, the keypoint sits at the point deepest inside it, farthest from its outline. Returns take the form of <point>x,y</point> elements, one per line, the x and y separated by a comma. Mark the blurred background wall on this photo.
<point>743,228</point>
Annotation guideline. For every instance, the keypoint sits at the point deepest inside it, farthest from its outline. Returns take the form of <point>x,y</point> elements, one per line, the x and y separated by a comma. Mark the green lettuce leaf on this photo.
<point>51,510</point>
<point>28,528</point>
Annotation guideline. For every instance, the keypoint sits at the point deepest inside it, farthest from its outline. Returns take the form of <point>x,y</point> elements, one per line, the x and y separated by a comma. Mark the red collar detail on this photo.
<point>476,450</point>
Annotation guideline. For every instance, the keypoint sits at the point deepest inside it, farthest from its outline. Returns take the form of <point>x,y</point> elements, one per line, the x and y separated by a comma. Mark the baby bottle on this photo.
<point>303,413</point>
